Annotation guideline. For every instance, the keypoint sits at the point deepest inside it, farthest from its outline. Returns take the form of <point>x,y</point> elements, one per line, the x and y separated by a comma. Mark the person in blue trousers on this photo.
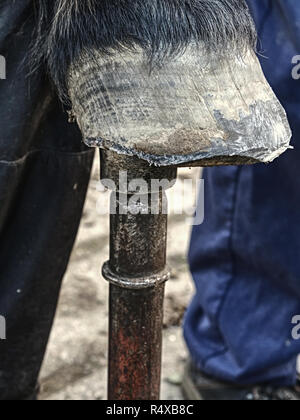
<point>245,257</point>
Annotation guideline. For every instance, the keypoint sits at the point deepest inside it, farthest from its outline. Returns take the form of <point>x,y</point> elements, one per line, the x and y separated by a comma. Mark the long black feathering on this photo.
<point>163,28</point>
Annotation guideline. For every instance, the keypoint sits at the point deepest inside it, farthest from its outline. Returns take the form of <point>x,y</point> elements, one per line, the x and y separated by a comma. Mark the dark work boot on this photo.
<point>198,386</point>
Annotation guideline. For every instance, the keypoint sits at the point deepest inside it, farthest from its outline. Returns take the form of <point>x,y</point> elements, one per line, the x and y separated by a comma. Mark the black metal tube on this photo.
<point>136,318</point>
<point>137,273</point>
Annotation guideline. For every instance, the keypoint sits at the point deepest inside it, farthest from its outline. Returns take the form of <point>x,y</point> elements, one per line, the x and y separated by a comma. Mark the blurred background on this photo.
<point>75,366</point>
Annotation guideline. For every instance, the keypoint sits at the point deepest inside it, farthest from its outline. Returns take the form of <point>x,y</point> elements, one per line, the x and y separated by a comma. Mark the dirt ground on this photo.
<point>75,366</point>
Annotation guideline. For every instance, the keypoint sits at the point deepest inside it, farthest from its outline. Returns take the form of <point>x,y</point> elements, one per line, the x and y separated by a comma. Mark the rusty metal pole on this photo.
<point>137,274</point>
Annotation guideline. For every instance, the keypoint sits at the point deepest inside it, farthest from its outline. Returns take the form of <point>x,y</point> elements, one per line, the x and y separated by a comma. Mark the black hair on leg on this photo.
<point>163,28</point>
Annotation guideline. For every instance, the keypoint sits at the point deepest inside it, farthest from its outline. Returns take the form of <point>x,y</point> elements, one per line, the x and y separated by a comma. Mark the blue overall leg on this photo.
<point>245,258</point>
